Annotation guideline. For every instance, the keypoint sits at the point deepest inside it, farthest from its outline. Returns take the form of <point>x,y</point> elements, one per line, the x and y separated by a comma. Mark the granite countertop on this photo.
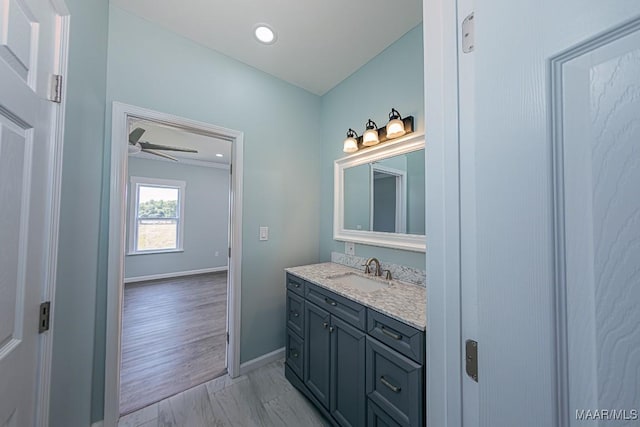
<point>402,301</point>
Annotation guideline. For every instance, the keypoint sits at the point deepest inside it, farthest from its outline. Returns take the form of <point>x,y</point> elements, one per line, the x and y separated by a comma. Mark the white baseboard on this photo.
<point>98,424</point>
<point>258,362</point>
<point>174,274</point>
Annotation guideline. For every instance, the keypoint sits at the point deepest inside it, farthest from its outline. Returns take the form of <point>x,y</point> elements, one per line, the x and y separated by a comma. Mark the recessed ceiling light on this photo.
<point>264,34</point>
<point>218,155</point>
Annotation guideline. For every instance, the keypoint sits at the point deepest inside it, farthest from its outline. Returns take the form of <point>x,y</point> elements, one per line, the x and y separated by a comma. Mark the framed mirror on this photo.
<point>379,195</point>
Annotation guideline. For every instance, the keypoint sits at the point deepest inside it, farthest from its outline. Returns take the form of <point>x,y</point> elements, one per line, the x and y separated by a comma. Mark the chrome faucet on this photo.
<point>367,266</point>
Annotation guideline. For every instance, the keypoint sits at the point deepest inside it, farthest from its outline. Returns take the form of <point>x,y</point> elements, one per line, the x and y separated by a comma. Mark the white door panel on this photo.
<point>28,38</point>
<point>557,197</point>
<point>601,173</point>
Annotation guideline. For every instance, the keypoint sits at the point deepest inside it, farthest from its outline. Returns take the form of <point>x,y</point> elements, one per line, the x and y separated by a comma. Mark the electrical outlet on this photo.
<point>349,248</point>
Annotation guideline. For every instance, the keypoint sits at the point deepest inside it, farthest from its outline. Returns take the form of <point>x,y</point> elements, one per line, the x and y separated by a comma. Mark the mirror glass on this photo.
<point>386,195</point>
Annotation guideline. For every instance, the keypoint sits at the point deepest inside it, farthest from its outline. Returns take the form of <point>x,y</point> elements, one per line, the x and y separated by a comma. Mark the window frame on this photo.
<point>135,183</point>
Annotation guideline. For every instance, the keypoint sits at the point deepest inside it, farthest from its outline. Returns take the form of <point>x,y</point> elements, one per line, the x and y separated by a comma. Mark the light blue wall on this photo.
<point>75,299</point>
<point>154,68</point>
<point>392,79</point>
<point>206,214</point>
<point>415,192</point>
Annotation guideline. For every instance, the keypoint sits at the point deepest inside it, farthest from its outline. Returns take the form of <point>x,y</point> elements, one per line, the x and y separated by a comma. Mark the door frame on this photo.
<point>401,195</point>
<point>52,228</point>
<point>117,222</point>
<point>444,365</point>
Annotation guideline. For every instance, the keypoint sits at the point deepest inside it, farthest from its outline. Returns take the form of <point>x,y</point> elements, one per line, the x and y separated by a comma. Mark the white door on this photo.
<point>557,199</point>
<point>28,38</point>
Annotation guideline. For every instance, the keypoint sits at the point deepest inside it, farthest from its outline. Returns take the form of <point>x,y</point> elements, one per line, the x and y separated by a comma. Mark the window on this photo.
<point>156,218</point>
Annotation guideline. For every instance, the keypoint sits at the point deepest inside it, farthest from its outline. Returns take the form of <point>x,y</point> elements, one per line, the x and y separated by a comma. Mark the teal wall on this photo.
<point>206,215</point>
<point>153,68</point>
<point>394,78</point>
<point>75,299</point>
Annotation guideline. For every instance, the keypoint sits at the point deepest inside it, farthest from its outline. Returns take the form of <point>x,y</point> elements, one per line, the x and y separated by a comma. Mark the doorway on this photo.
<point>175,265</point>
<point>174,257</point>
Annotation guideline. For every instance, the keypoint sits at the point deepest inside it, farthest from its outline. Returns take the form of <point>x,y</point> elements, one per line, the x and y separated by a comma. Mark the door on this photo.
<point>27,47</point>
<point>347,373</point>
<point>317,342</point>
<point>557,168</point>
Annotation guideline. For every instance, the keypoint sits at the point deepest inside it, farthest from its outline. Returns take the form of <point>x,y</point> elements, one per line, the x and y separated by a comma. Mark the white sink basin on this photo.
<point>359,282</point>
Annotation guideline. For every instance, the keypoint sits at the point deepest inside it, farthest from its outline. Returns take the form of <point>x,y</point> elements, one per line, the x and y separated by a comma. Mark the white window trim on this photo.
<point>136,182</point>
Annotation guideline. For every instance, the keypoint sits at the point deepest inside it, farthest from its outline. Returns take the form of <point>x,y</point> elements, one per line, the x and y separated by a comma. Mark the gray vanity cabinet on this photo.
<point>358,366</point>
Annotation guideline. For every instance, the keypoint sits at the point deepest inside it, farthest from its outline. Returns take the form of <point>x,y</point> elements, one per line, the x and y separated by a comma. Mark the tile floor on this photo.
<point>261,398</point>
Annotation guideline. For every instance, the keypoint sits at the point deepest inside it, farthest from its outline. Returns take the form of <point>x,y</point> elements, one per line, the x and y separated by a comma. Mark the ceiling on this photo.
<point>207,146</point>
<point>319,43</point>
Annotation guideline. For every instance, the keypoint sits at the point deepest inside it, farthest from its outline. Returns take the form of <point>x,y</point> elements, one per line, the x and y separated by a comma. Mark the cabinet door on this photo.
<point>317,341</point>
<point>347,374</point>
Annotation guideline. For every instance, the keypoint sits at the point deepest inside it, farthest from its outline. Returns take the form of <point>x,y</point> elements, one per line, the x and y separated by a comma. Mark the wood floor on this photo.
<point>262,398</point>
<point>173,337</point>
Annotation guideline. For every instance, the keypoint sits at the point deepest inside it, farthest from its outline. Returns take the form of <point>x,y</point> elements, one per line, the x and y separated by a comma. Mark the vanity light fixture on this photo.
<point>350,143</point>
<point>370,136</point>
<point>395,127</point>
<point>373,135</point>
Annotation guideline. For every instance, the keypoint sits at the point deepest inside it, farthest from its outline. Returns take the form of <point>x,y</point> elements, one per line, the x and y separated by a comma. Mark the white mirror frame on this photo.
<point>409,242</point>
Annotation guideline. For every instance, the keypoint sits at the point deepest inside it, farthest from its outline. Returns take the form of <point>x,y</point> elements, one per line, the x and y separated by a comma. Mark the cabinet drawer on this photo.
<point>295,313</point>
<point>376,417</point>
<point>349,311</point>
<point>394,383</point>
<point>397,335</point>
<point>295,348</point>
<point>295,284</point>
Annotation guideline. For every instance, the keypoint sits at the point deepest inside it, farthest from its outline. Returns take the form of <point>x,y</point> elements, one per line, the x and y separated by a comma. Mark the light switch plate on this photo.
<point>349,248</point>
<point>264,233</point>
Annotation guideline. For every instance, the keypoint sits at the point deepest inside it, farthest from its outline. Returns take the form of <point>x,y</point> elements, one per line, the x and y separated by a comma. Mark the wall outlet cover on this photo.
<point>349,248</point>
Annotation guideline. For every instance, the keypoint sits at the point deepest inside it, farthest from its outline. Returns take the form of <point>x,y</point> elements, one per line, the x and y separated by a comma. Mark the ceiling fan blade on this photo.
<point>135,135</point>
<point>157,153</point>
<point>148,145</point>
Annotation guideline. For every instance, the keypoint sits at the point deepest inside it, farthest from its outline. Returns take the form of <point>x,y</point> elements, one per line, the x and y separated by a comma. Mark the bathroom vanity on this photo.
<point>355,345</point>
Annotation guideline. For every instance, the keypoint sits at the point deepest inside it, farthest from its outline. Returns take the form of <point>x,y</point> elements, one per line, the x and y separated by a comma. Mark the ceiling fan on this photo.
<point>135,146</point>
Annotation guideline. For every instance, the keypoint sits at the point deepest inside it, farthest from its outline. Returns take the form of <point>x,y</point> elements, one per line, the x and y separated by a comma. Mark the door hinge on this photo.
<point>230,169</point>
<point>471,356</point>
<point>227,337</point>
<point>56,88</point>
<point>43,316</point>
<point>229,252</point>
<point>468,34</point>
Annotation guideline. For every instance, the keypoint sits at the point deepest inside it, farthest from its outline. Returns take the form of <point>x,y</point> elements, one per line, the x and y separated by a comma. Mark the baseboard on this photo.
<point>258,362</point>
<point>174,274</point>
<point>98,424</point>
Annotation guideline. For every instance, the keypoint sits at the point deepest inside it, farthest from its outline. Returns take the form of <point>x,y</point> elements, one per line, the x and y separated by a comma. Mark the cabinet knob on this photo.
<point>325,324</point>
<point>295,313</point>
<point>331,329</point>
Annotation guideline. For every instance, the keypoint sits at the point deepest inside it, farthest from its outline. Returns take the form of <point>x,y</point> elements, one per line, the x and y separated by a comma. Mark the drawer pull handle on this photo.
<point>297,285</point>
<point>330,302</point>
<point>294,354</point>
<point>390,334</point>
<point>295,313</point>
<point>390,386</point>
